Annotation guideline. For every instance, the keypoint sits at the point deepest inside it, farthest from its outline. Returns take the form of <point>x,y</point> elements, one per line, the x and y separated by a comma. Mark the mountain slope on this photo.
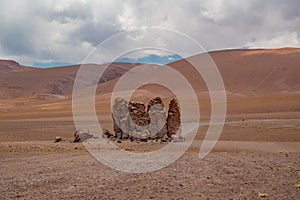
<point>7,66</point>
<point>56,81</point>
<point>250,71</point>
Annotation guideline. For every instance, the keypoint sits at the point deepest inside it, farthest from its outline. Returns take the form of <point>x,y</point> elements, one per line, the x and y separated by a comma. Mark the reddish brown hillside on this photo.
<point>57,81</point>
<point>250,71</point>
<point>11,66</point>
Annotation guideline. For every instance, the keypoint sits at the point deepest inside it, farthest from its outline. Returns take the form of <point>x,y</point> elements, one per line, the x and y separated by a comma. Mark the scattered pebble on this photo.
<point>262,194</point>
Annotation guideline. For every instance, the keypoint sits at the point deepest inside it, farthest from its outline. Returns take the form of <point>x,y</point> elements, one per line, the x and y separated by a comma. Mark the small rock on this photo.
<point>107,134</point>
<point>58,139</point>
<point>178,139</point>
<point>82,135</point>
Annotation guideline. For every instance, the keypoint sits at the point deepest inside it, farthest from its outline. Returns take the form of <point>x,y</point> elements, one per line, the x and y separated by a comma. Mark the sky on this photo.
<point>45,33</point>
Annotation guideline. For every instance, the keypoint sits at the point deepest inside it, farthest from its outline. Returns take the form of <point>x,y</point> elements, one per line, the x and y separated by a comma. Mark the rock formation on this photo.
<point>132,120</point>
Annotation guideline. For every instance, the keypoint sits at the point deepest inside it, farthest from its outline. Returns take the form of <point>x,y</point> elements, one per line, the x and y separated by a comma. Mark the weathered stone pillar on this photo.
<point>173,120</point>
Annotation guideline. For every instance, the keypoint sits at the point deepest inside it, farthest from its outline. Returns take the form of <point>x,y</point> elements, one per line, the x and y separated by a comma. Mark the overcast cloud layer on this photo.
<point>65,31</point>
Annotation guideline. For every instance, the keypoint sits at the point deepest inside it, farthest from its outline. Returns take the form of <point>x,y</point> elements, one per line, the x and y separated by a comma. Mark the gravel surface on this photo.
<point>66,171</point>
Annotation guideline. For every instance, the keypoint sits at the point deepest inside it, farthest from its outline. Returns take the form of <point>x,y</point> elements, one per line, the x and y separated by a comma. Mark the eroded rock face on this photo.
<point>133,121</point>
<point>157,127</point>
<point>138,114</point>
<point>154,101</point>
<point>139,122</point>
<point>173,120</point>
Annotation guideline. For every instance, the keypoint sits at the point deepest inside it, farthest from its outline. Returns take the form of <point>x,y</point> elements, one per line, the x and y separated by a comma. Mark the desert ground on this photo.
<point>256,157</point>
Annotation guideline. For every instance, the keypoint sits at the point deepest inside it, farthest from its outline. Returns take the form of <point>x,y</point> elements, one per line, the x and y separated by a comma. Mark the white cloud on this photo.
<point>282,40</point>
<point>42,31</point>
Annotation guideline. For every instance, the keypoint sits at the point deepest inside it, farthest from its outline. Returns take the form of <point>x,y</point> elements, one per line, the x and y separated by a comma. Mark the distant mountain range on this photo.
<point>258,71</point>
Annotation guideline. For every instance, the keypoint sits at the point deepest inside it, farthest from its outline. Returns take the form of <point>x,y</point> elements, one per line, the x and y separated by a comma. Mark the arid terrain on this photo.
<point>258,151</point>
